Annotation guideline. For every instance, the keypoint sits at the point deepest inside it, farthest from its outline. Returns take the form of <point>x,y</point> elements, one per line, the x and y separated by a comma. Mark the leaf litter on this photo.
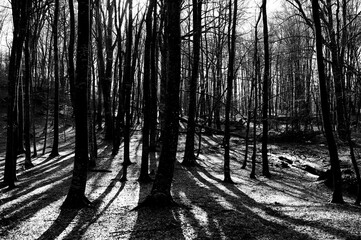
<point>293,204</point>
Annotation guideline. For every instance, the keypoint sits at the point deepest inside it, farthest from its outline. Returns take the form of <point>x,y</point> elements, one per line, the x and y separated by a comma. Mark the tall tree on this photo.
<point>144,175</point>
<point>20,11</point>
<point>71,70</point>
<point>337,64</point>
<point>55,151</point>
<point>27,83</point>
<point>265,167</point>
<point>107,83</point>
<point>76,195</point>
<point>189,158</point>
<point>230,78</point>
<point>332,147</point>
<point>161,191</point>
<point>128,84</point>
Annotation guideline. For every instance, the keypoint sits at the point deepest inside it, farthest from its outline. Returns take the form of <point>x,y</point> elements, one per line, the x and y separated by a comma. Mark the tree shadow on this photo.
<point>237,215</point>
<point>39,188</point>
<point>154,222</point>
<point>85,217</point>
<point>65,217</point>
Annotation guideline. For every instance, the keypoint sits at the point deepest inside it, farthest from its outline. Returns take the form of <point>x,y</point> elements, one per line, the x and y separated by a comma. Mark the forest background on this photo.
<point>169,72</point>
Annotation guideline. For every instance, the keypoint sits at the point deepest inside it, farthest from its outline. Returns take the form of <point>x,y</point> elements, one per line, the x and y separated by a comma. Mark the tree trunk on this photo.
<point>27,107</point>
<point>332,147</point>
<point>189,158</point>
<point>128,85</point>
<point>76,197</point>
<point>55,151</point>
<point>230,77</point>
<point>144,175</point>
<point>265,167</point>
<point>257,74</point>
<point>71,71</point>
<point>337,72</point>
<point>161,190</point>
<point>20,10</point>
<point>107,83</point>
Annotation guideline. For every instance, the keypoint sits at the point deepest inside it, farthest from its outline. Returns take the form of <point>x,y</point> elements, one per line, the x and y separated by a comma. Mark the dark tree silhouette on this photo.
<point>76,195</point>
<point>55,151</point>
<point>161,190</point>
<point>230,78</point>
<point>27,83</point>
<point>189,158</point>
<point>332,147</point>
<point>265,167</point>
<point>20,10</point>
<point>144,175</point>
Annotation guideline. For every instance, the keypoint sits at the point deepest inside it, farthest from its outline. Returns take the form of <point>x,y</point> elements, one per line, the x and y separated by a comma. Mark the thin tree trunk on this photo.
<point>255,83</point>
<point>71,70</point>
<point>230,77</point>
<point>265,167</point>
<point>27,107</point>
<point>55,151</point>
<point>107,83</point>
<point>144,175</point>
<point>127,87</point>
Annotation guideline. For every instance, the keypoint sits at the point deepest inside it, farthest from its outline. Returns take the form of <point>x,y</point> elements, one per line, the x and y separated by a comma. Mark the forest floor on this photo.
<point>292,204</point>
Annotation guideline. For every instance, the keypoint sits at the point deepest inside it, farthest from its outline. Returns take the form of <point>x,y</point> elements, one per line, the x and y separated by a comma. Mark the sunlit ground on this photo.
<point>291,205</point>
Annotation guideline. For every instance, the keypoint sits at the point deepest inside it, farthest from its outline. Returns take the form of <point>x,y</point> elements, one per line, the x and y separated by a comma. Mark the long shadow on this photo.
<point>216,214</point>
<point>38,188</point>
<point>85,217</point>
<point>249,203</point>
<point>65,217</point>
<point>154,223</point>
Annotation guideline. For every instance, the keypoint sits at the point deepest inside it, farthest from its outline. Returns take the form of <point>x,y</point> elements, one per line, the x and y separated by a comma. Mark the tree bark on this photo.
<point>332,147</point>
<point>161,190</point>
<point>127,86</point>
<point>230,77</point>
<point>76,195</point>
<point>189,157</point>
<point>144,175</point>
<point>20,11</point>
<point>27,107</point>
<point>55,151</point>
<point>265,167</point>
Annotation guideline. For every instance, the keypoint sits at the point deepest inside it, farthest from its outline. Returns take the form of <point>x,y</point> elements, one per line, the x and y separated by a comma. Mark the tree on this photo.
<point>189,158</point>
<point>20,10</point>
<point>128,85</point>
<point>55,151</point>
<point>27,83</point>
<point>332,147</point>
<point>230,78</point>
<point>144,175</point>
<point>76,195</point>
<point>265,167</point>
<point>161,191</point>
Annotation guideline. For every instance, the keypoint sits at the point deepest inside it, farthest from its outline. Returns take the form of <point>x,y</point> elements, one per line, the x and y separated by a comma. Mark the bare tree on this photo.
<point>332,147</point>
<point>76,196</point>
<point>266,86</point>
<point>161,190</point>
<point>189,158</point>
